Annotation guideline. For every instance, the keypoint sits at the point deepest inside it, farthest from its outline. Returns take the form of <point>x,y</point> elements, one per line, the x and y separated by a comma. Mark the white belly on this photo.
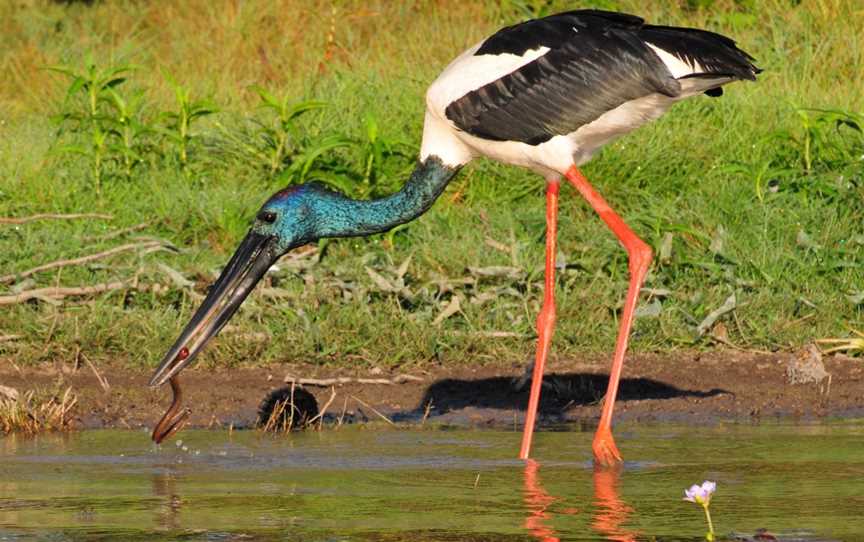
<point>551,158</point>
<point>625,118</point>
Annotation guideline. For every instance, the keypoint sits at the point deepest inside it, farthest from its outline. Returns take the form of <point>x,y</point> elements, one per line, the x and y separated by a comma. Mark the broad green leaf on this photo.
<point>76,86</point>
<point>268,98</point>
<point>303,107</point>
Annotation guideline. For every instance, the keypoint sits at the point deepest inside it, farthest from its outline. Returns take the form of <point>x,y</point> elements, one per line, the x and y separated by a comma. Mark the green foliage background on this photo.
<point>205,108</point>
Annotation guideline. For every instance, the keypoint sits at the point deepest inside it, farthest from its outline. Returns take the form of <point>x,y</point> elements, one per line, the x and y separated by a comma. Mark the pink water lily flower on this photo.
<point>700,494</point>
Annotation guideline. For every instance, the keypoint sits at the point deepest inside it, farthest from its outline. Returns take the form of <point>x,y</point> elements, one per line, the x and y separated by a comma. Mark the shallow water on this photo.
<point>799,481</point>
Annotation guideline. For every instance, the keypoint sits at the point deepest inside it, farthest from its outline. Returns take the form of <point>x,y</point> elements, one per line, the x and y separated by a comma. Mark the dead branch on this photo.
<point>102,382</point>
<point>57,293</point>
<point>117,233</point>
<point>327,382</point>
<point>77,261</point>
<point>52,216</point>
<point>7,338</point>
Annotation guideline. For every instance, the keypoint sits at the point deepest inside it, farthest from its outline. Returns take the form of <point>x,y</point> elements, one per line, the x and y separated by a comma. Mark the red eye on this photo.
<point>183,354</point>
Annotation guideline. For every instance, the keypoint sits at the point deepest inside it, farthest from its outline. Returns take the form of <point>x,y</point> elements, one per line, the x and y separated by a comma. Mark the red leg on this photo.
<point>546,318</point>
<point>639,253</point>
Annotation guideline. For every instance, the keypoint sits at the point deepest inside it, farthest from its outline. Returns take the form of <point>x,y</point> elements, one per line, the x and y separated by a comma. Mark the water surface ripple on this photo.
<point>801,482</point>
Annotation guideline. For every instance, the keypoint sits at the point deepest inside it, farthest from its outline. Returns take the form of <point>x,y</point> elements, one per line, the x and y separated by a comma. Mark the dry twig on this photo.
<point>326,382</point>
<point>426,413</point>
<point>57,293</point>
<point>491,334</point>
<point>102,382</point>
<point>52,216</point>
<point>77,261</point>
<point>320,415</point>
<point>852,343</point>
<point>373,409</point>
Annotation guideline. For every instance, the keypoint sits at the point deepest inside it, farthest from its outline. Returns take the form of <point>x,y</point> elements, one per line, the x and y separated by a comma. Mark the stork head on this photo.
<point>289,219</point>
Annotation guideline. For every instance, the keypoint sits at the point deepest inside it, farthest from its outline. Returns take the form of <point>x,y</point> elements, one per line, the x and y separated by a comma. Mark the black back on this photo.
<point>597,61</point>
<point>552,31</point>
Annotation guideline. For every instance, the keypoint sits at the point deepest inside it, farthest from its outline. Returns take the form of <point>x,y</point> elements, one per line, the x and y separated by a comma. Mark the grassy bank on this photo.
<point>758,194</point>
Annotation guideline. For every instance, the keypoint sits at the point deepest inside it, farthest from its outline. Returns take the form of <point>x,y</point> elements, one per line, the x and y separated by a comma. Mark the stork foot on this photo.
<point>606,454</point>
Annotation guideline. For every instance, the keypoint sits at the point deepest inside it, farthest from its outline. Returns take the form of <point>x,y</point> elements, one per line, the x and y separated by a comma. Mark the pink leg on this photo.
<point>546,318</point>
<point>639,253</point>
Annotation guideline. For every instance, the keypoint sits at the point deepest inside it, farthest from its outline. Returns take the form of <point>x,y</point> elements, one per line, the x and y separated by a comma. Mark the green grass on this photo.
<point>761,191</point>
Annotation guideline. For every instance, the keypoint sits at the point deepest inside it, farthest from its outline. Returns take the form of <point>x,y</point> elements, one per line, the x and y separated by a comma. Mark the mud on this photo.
<point>691,387</point>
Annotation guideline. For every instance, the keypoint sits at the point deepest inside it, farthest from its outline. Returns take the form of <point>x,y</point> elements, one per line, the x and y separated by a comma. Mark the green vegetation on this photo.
<point>757,195</point>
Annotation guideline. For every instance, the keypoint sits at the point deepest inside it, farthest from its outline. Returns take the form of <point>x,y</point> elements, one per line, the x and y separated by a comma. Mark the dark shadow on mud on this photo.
<point>560,393</point>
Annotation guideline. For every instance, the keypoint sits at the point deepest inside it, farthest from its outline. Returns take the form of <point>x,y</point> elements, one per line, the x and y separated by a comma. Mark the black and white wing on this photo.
<point>594,61</point>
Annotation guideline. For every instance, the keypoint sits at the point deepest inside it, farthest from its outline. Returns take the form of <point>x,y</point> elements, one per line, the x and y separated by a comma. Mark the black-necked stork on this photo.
<point>545,94</point>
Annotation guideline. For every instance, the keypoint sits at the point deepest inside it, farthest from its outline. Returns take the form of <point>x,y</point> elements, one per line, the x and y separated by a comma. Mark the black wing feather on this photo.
<point>716,53</point>
<point>597,61</point>
<point>552,31</point>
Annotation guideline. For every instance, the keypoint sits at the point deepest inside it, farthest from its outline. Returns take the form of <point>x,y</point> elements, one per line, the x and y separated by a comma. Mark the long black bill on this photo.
<point>252,259</point>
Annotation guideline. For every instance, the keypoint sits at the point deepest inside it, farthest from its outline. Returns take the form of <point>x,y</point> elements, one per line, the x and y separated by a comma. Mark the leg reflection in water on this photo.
<point>537,501</point>
<point>610,512</point>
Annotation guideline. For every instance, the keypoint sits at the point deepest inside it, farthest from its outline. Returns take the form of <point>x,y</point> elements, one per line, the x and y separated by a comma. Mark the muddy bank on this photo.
<point>688,387</point>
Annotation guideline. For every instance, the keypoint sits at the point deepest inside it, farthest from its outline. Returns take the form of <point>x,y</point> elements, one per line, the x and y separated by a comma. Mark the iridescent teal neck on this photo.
<point>338,216</point>
<point>303,214</point>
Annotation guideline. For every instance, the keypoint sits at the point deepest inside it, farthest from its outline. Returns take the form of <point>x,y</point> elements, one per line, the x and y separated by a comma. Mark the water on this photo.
<point>802,482</point>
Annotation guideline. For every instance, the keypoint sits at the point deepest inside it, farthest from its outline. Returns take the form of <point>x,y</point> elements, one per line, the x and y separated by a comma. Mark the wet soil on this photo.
<point>693,387</point>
